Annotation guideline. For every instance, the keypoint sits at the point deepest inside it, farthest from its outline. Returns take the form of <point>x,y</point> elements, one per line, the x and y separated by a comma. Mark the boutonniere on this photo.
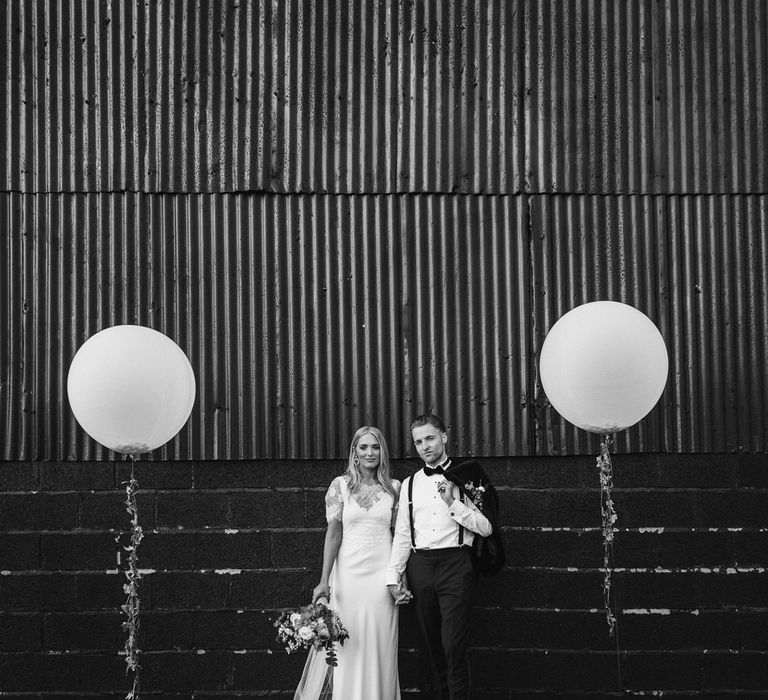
<point>475,493</point>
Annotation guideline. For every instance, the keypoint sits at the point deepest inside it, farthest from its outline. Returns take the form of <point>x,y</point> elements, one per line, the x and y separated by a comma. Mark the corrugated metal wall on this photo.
<point>303,316</point>
<point>348,212</point>
<point>646,97</point>
<point>697,266</point>
<point>286,96</point>
<point>475,96</point>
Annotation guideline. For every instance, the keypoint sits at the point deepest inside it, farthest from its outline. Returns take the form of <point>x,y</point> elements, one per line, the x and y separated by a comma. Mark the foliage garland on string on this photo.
<point>609,517</point>
<point>132,606</point>
<point>603,367</point>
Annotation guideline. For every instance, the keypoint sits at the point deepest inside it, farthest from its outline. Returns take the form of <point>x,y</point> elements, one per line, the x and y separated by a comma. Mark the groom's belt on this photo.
<point>440,550</point>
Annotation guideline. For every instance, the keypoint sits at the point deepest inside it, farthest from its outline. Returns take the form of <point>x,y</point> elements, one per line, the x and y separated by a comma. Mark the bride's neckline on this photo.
<point>367,495</point>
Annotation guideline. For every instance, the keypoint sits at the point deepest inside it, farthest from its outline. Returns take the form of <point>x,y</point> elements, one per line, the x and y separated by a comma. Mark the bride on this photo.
<point>361,507</point>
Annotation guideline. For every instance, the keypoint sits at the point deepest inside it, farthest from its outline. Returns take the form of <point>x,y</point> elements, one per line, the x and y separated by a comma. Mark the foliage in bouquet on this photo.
<point>313,626</point>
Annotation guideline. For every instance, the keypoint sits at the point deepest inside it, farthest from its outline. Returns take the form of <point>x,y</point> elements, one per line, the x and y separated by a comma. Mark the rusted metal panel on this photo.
<point>190,96</point>
<point>14,403</point>
<point>697,267</point>
<point>590,96</point>
<point>304,317</point>
<point>589,108</point>
<point>645,97</point>
<point>199,167</point>
<point>466,339</point>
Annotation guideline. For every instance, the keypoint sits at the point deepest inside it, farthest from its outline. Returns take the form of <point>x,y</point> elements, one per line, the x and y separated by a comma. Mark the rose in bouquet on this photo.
<point>313,626</point>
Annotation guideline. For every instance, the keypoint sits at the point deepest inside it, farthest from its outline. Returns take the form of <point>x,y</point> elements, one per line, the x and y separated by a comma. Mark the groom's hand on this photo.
<point>405,595</point>
<point>445,489</point>
<point>399,593</point>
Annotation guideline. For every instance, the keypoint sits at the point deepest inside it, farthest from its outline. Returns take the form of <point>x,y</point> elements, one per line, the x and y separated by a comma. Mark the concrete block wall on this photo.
<point>228,544</point>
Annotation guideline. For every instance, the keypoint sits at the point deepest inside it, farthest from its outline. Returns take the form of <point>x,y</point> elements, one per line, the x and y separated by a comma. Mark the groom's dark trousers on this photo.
<point>442,582</point>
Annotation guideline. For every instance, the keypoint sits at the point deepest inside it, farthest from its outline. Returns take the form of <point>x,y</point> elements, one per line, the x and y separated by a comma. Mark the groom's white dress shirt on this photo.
<point>436,525</point>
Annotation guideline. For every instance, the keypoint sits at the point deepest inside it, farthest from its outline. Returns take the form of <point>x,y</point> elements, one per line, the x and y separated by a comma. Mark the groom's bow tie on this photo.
<point>439,469</point>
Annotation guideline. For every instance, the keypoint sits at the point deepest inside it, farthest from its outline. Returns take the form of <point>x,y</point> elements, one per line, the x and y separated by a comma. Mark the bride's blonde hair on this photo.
<point>383,471</point>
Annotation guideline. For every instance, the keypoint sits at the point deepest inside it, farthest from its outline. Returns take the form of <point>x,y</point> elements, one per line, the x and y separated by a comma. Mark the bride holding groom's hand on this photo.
<point>361,507</point>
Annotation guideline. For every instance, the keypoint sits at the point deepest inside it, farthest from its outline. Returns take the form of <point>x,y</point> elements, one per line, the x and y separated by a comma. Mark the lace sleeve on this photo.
<point>396,504</point>
<point>334,501</point>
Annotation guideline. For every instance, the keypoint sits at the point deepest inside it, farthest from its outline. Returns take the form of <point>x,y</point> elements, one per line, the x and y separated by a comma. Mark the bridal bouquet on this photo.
<point>313,626</point>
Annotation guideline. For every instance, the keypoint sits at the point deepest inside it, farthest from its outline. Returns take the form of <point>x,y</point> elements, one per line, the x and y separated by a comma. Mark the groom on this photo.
<point>433,538</point>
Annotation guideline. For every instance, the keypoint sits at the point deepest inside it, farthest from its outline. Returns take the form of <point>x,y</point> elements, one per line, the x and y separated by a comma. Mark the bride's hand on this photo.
<point>401,594</point>
<point>322,590</point>
<point>405,592</point>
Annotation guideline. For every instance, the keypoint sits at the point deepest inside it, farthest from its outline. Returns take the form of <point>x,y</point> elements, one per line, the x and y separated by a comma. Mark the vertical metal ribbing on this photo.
<point>146,150</point>
<point>349,97</point>
<point>695,267</point>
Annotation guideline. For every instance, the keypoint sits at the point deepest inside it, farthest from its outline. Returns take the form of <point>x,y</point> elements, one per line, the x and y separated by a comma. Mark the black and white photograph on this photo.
<point>383,349</point>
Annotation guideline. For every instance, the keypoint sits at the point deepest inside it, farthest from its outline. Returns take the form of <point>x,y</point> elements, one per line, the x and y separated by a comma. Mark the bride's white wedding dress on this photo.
<point>367,668</point>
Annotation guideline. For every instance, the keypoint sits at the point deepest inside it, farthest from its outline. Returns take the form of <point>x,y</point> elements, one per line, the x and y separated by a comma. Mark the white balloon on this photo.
<point>603,366</point>
<point>131,388</point>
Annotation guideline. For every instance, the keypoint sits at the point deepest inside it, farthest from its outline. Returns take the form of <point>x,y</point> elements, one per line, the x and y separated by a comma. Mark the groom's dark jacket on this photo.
<point>468,476</point>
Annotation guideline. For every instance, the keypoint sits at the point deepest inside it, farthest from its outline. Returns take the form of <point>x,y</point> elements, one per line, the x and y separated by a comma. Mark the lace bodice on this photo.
<point>366,496</point>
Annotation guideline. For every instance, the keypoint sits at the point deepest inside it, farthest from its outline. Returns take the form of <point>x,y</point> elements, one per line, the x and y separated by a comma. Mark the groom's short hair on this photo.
<point>428,419</point>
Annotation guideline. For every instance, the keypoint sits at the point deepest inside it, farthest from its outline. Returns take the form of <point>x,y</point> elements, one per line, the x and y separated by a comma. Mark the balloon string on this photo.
<point>605,469</point>
<point>131,588</point>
